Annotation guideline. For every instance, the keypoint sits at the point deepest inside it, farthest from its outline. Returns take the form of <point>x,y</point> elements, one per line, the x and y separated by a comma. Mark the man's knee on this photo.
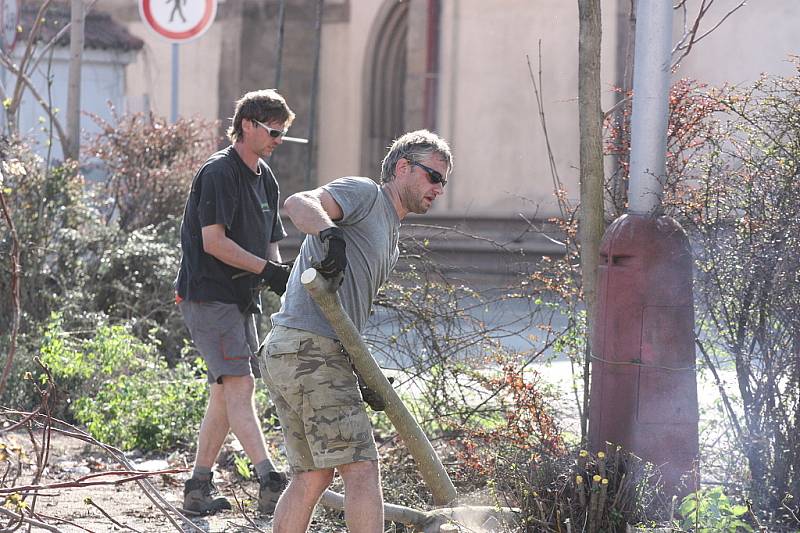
<point>238,384</point>
<point>313,482</point>
<point>361,473</point>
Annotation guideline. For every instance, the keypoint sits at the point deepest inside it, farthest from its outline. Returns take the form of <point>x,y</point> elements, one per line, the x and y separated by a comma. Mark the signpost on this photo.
<point>178,21</point>
<point>9,20</point>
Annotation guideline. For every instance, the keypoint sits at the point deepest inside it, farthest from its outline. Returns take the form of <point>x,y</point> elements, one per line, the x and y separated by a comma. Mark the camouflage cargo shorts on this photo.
<point>311,382</point>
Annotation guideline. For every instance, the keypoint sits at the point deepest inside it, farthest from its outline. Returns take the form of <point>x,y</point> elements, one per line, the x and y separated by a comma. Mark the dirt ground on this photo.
<point>68,509</point>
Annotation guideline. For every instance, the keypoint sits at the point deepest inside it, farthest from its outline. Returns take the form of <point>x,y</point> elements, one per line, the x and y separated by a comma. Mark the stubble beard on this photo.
<point>413,203</point>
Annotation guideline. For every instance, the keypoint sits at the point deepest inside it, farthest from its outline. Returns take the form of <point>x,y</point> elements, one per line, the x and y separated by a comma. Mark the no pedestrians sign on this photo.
<point>178,20</point>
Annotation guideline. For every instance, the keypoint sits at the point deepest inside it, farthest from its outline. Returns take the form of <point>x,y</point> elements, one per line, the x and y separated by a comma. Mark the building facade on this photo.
<point>463,68</point>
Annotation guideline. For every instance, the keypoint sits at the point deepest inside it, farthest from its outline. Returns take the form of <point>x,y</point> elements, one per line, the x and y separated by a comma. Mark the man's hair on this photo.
<point>265,106</point>
<point>414,146</point>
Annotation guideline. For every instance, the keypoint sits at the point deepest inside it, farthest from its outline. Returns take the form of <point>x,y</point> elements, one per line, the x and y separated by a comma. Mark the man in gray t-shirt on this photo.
<point>352,229</point>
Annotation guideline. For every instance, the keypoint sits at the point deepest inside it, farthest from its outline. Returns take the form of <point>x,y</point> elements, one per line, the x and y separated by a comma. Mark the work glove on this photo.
<point>370,397</point>
<point>336,260</point>
<point>275,276</point>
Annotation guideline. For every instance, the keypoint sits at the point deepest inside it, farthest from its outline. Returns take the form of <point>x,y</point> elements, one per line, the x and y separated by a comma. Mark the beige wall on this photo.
<point>343,53</point>
<point>488,109</point>
<point>151,75</point>
<point>755,39</point>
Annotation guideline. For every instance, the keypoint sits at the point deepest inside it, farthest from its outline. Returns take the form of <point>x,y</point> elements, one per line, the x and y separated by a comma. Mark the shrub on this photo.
<point>135,285</point>
<point>119,387</point>
<point>156,408</point>
<point>58,240</point>
<point>742,211</point>
<point>710,510</point>
<point>526,464</point>
<point>149,164</point>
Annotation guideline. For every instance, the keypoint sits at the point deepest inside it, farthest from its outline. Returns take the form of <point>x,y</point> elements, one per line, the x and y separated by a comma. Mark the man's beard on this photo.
<point>414,203</point>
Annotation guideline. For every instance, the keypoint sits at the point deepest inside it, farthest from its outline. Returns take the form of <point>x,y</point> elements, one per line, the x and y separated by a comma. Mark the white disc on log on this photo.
<point>308,276</point>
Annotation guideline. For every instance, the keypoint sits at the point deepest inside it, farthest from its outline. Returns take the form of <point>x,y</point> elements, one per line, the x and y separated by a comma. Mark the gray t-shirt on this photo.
<point>371,230</point>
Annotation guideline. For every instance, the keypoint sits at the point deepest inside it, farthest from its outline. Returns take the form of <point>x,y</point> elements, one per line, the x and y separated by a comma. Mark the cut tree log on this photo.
<point>442,520</point>
<point>430,466</point>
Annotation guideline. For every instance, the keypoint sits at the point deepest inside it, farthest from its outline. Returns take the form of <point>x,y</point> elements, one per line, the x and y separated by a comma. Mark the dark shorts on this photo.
<point>224,336</point>
<point>311,382</point>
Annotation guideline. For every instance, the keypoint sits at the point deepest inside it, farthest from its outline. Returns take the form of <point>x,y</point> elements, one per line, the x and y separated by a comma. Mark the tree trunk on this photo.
<point>429,464</point>
<point>591,223</point>
<point>72,150</point>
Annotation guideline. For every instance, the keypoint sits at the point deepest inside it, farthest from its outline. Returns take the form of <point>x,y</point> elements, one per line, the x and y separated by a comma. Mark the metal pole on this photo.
<point>314,84</point>
<point>279,58</point>
<point>651,78</point>
<point>173,117</point>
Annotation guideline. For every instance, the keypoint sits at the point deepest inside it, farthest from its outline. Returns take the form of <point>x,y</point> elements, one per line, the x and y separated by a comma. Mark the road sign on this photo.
<point>9,20</point>
<point>178,20</point>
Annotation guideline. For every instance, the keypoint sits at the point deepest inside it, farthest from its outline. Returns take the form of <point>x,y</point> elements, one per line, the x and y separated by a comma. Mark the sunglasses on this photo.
<point>272,132</point>
<point>433,175</point>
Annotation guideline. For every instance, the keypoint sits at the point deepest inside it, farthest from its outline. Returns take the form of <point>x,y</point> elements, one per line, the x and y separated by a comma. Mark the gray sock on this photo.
<point>264,468</point>
<point>201,472</point>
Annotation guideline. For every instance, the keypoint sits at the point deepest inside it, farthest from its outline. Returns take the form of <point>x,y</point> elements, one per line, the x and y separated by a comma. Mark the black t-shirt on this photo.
<point>226,191</point>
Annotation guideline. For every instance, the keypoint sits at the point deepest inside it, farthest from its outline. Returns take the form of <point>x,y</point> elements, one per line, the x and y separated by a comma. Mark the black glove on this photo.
<point>275,276</point>
<point>370,397</point>
<point>336,260</point>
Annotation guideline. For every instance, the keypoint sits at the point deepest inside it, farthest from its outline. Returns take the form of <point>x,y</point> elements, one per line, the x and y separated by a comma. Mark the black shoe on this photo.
<point>198,497</point>
<point>270,490</point>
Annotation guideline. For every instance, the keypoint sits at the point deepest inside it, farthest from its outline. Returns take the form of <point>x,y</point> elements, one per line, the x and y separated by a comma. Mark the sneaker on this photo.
<point>270,490</point>
<point>198,497</point>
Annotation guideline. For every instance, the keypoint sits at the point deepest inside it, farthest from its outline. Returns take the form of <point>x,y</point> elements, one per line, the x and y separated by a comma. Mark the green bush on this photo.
<point>57,237</point>
<point>135,285</point>
<point>711,511</point>
<point>81,363</point>
<point>122,390</point>
<point>156,408</point>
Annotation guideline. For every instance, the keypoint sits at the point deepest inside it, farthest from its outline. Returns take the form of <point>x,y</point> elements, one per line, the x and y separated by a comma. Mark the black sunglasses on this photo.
<point>433,175</point>
<point>272,132</point>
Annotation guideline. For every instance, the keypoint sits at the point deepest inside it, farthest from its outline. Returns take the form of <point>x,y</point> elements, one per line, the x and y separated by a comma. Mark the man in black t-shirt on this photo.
<point>229,238</point>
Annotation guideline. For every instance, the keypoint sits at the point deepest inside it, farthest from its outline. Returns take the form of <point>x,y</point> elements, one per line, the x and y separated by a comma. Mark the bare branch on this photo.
<point>167,509</point>
<point>52,42</point>
<point>23,78</point>
<point>89,501</point>
<point>557,184</point>
<point>29,46</point>
<point>130,475</point>
<point>30,521</point>
<point>690,37</point>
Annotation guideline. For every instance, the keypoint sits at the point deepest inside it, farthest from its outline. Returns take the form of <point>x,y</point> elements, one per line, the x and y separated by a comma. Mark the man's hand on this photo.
<point>275,276</point>
<point>336,260</point>
<point>371,397</point>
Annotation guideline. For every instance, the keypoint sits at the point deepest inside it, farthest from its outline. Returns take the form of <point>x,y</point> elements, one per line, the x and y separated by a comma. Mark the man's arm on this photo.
<point>273,252</point>
<point>315,213</point>
<point>312,211</point>
<point>216,243</point>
